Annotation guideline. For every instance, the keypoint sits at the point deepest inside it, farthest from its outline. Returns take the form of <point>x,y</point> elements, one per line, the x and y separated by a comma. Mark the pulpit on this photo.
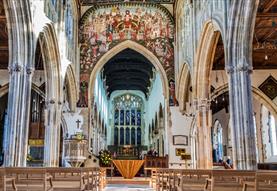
<point>128,168</point>
<point>75,151</point>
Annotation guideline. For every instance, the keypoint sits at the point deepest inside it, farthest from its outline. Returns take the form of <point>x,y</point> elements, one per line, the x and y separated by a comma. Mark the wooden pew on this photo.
<point>265,180</point>
<point>229,179</point>
<point>68,178</point>
<point>195,179</point>
<point>4,180</point>
<point>177,179</point>
<point>30,178</point>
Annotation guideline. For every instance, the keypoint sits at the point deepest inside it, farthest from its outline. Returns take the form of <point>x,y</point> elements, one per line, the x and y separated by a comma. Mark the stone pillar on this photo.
<point>20,69</point>
<point>204,144</point>
<point>18,116</point>
<point>52,128</point>
<point>239,66</point>
<point>241,118</point>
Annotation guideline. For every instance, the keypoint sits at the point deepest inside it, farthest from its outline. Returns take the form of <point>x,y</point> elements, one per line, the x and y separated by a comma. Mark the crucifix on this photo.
<point>78,124</point>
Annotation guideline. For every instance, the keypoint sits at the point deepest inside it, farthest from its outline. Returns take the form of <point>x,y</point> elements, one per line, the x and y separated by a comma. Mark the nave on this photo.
<point>138,94</point>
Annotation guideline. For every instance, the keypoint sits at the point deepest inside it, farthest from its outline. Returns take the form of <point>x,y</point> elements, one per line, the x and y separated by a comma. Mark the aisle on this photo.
<point>124,187</point>
<point>136,184</point>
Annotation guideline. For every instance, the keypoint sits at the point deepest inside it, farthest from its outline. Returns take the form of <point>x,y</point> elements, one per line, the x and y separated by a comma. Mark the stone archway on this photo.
<point>201,81</point>
<point>257,94</point>
<point>204,59</point>
<point>183,87</point>
<point>53,93</point>
<point>201,91</point>
<point>70,80</point>
<point>147,54</point>
<point>122,46</point>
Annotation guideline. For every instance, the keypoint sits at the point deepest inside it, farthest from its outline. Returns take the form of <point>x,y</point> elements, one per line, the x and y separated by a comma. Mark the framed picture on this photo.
<point>180,140</point>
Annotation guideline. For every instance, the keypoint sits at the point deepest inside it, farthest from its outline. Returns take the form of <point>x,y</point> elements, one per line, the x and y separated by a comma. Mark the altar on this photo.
<point>128,168</point>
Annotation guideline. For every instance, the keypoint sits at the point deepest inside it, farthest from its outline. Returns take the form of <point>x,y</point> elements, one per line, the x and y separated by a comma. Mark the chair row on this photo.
<point>215,180</point>
<point>47,179</point>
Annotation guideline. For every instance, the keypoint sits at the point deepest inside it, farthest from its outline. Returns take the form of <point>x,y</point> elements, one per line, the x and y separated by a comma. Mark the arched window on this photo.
<point>69,22</point>
<point>272,137</point>
<point>217,142</point>
<point>127,138</point>
<point>133,136</point>
<point>115,136</point>
<point>139,136</point>
<point>128,116</point>
<point>121,136</point>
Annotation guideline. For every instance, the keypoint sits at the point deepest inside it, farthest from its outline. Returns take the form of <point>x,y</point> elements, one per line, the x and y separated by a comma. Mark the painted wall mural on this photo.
<point>103,27</point>
<point>121,1</point>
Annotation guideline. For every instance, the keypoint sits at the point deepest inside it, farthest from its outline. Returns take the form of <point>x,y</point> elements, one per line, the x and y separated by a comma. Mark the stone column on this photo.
<point>204,144</point>
<point>239,66</point>
<point>16,142</point>
<point>51,144</point>
<point>20,69</point>
<point>241,118</point>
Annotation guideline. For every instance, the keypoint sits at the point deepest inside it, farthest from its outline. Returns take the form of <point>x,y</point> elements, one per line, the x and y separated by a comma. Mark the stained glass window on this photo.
<point>121,117</point>
<point>139,136</point>
<point>133,117</point>
<point>116,136</point>
<point>121,136</point>
<point>133,136</point>
<point>127,140</point>
<point>127,120</point>
<point>116,117</point>
<point>138,118</point>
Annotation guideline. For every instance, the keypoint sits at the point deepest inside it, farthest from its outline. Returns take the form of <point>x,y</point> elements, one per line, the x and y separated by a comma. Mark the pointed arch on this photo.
<point>52,65</point>
<point>183,86</point>
<point>120,47</point>
<point>70,79</point>
<point>204,59</point>
<point>257,94</point>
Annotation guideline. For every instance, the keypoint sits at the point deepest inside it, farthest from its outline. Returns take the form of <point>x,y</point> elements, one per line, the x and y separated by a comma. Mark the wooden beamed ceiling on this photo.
<point>264,42</point>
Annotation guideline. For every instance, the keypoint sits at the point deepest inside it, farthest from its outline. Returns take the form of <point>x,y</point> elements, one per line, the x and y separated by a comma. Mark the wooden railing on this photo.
<point>212,180</point>
<point>47,179</point>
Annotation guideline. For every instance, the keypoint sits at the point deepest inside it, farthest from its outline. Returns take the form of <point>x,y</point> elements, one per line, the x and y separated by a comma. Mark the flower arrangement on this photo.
<point>105,157</point>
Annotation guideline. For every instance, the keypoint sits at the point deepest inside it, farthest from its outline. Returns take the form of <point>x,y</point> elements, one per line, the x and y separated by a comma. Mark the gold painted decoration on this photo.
<point>36,142</point>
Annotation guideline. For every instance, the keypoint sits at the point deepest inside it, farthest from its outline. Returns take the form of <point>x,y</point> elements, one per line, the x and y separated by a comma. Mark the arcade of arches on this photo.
<point>194,82</point>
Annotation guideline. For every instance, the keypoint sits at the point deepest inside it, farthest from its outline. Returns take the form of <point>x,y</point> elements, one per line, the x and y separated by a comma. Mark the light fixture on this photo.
<point>266,57</point>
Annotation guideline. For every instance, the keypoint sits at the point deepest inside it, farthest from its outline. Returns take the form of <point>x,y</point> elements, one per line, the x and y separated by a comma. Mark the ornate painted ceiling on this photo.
<point>89,2</point>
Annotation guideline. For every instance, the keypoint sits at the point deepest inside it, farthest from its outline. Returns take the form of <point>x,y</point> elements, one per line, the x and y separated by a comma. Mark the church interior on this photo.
<point>164,95</point>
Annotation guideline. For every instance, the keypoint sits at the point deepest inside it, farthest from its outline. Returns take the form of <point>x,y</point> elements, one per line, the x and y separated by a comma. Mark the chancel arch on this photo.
<point>128,44</point>
<point>99,39</point>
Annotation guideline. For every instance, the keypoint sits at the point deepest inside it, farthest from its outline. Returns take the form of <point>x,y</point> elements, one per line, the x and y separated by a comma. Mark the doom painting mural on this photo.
<point>103,27</point>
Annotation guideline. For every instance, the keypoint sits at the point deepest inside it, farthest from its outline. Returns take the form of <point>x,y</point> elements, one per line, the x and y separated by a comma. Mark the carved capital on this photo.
<point>15,68</point>
<point>239,68</point>
<point>29,70</point>
<point>202,104</point>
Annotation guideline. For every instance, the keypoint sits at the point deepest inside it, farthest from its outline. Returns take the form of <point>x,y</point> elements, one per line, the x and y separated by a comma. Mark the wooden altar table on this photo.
<point>128,168</point>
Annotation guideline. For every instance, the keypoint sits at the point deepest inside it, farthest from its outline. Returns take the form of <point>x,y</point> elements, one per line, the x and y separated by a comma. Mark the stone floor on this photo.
<point>126,187</point>
<point>136,184</point>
